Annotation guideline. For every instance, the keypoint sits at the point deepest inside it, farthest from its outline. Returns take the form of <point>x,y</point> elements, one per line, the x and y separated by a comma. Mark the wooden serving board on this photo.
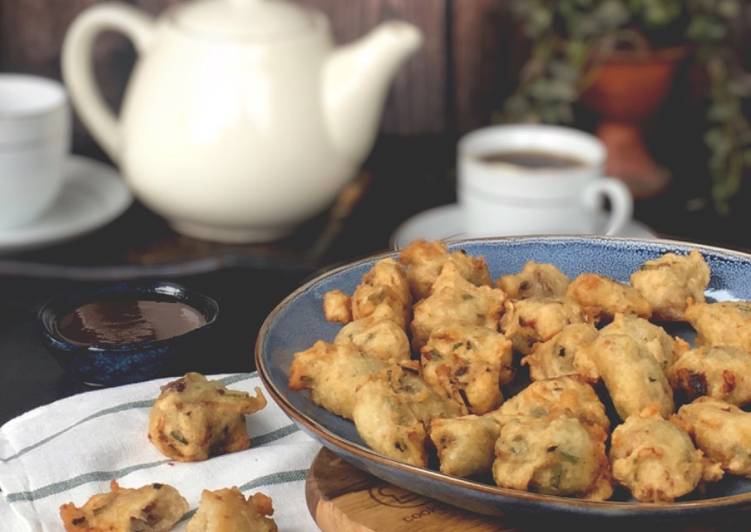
<point>342,498</point>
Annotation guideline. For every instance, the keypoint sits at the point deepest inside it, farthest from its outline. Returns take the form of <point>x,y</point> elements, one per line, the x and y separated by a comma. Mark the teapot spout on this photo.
<point>356,81</point>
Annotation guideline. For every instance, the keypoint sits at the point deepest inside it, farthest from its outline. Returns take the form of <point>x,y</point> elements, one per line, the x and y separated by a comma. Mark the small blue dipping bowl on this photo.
<point>110,365</point>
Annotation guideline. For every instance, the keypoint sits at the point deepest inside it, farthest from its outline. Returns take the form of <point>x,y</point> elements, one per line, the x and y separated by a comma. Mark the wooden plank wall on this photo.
<point>417,100</point>
<point>484,58</point>
<point>455,81</point>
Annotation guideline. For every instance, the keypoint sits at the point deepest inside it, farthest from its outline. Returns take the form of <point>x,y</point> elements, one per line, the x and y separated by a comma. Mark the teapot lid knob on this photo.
<point>264,19</point>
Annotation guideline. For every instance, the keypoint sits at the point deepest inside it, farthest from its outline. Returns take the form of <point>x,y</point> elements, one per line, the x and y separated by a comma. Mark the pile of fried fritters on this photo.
<point>429,343</point>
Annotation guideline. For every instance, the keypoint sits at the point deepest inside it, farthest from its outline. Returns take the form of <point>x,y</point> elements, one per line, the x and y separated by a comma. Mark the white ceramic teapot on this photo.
<point>241,118</point>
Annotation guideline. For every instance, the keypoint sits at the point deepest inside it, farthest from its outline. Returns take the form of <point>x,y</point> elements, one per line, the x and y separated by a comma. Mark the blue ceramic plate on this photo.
<point>298,322</point>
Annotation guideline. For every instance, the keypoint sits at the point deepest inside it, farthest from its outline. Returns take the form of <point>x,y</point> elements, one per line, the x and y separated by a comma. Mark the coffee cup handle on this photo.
<point>78,71</point>
<point>621,202</point>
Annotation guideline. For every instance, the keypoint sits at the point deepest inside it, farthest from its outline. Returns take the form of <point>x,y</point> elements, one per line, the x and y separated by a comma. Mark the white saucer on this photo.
<point>93,195</point>
<point>447,223</point>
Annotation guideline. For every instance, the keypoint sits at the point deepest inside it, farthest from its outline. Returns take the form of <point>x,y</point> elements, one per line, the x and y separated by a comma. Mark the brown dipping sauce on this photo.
<point>120,321</point>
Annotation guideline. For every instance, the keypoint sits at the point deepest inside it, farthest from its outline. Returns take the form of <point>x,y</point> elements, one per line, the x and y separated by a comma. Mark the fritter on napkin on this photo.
<point>227,510</point>
<point>195,418</point>
<point>151,508</point>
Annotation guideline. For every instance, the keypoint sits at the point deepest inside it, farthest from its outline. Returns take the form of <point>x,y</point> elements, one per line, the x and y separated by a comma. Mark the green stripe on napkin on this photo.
<point>102,476</point>
<point>232,379</point>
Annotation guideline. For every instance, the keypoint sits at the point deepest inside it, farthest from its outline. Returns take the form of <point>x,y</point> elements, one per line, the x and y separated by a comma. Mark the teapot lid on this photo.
<point>267,19</point>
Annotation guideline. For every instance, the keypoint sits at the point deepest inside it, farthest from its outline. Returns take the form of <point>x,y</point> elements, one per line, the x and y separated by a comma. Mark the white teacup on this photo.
<point>503,198</point>
<point>34,141</point>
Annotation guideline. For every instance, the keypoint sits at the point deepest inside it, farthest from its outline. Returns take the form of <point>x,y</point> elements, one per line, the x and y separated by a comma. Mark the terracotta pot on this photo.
<point>626,89</point>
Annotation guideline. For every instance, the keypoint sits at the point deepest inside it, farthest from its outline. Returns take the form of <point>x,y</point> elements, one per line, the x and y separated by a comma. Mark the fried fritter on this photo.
<point>527,322</point>
<point>227,510</point>
<point>405,380</point>
<point>633,377</point>
<point>469,364</point>
<point>727,323</point>
<point>650,336</point>
<point>564,355</point>
<point>465,445</point>
<point>672,283</point>
<point>383,293</point>
<point>388,425</point>
<point>535,280</point>
<point>384,339</point>
<point>563,396</point>
<point>388,272</point>
<point>337,306</point>
<point>195,418</point>
<point>151,508</point>
<point>332,373</point>
<point>455,301</point>
<point>722,431</point>
<point>558,456</point>
<point>720,372</point>
<point>392,411</point>
<point>424,261</point>
<point>601,297</point>
<point>654,458</point>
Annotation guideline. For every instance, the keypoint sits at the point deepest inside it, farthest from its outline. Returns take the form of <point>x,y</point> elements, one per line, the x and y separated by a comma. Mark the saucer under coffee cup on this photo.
<point>537,179</point>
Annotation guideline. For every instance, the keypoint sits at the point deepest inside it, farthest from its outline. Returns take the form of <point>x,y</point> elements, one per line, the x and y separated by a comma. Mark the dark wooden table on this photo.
<point>407,175</point>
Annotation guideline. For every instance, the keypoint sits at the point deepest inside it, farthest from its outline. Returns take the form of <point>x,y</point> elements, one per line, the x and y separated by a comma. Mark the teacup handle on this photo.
<point>621,202</point>
<point>78,69</point>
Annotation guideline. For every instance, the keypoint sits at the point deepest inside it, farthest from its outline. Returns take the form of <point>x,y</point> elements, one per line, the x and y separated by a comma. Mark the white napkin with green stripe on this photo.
<point>71,449</point>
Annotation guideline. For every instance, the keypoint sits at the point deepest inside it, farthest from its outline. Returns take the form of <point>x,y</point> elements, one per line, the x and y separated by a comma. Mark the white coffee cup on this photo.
<point>499,198</point>
<point>34,141</point>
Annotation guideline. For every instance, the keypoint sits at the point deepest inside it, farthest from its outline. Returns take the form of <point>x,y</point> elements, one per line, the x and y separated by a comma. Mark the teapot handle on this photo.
<point>78,72</point>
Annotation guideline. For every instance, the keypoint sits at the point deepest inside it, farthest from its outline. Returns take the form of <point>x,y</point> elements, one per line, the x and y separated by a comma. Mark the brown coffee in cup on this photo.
<point>532,159</point>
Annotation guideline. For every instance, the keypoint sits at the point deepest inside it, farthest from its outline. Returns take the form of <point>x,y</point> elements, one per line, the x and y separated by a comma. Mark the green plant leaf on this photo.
<point>728,8</point>
<point>567,34</point>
